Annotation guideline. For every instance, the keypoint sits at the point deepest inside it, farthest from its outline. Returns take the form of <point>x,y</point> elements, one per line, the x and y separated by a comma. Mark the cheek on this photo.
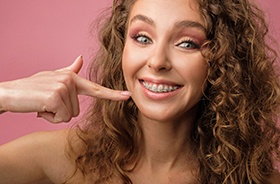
<point>194,70</point>
<point>129,65</point>
<point>125,67</point>
<point>128,61</point>
<point>133,60</point>
<point>125,61</point>
<point>199,73</point>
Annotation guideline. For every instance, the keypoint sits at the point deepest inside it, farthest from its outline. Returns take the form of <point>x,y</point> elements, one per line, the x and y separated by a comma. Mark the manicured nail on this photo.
<point>79,57</point>
<point>126,93</point>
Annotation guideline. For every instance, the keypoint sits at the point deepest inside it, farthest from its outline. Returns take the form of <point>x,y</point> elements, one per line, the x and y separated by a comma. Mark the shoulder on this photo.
<point>40,153</point>
<point>57,159</point>
<point>38,143</point>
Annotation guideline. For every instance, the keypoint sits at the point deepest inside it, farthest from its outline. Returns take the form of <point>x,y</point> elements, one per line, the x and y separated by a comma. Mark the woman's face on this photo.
<point>162,61</point>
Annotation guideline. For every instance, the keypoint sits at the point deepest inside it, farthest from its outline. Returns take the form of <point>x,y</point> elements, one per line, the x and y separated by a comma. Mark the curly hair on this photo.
<point>236,135</point>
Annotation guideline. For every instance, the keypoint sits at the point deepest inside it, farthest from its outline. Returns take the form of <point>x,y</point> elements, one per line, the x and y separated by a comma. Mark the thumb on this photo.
<point>75,66</point>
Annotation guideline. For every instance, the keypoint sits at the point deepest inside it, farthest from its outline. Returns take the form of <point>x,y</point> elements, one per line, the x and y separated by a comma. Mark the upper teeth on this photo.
<point>159,88</point>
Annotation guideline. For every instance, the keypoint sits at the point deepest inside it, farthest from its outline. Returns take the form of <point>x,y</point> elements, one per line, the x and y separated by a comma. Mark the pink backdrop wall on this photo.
<point>38,35</point>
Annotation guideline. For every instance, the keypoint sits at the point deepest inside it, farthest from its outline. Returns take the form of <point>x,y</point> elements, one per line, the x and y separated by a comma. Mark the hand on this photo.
<point>53,94</point>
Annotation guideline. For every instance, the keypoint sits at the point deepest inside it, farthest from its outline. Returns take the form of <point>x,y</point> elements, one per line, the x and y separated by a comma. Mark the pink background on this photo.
<point>38,35</point>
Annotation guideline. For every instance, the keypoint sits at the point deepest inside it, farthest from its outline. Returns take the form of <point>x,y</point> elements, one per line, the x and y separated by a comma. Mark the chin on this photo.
<point>161,116</point>
<point>168,114</point>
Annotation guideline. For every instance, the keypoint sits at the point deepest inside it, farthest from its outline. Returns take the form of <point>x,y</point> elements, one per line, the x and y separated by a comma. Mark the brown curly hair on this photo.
<point>236,134</point>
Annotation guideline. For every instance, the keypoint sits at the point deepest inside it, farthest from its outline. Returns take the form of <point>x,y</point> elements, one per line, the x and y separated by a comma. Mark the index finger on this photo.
<point>88,88</point>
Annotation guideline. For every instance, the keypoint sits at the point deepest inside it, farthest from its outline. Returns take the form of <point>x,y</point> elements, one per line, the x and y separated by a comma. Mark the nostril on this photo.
<point>160,65</point>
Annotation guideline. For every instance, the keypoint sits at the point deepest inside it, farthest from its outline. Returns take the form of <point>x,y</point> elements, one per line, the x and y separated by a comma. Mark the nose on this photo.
<point>160,60</point>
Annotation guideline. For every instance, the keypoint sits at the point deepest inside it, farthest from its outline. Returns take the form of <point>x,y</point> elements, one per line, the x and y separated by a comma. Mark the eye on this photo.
<point>188,45</point>
<point>142,39</point>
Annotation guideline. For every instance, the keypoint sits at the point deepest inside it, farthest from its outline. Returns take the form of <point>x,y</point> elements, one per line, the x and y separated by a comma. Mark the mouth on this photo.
<point>159,88</point>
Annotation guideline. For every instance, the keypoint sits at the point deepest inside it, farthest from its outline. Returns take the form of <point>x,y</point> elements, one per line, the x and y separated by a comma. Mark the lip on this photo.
<point>159,95</point>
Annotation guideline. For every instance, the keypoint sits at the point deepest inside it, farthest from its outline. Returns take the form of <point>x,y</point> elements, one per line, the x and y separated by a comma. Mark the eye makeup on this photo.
<point>141,38</point>
<point>185,36</point>
<point>188,44</point>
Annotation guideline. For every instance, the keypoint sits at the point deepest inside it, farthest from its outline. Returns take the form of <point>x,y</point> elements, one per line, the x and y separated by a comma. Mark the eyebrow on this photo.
<point>142,18</point>
<point>189,23</point>
<point>180,24</point>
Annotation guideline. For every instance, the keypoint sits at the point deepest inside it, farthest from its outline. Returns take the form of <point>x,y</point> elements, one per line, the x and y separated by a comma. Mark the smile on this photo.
<point>159,88</point>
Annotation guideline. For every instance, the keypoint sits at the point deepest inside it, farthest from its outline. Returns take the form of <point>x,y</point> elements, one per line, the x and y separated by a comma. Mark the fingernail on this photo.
<point>80,57</point>
<point>126,93</point>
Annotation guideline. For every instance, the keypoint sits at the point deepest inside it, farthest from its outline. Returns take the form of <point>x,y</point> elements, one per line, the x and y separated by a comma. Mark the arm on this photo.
<point>39,157</point>
<point>53,94</point>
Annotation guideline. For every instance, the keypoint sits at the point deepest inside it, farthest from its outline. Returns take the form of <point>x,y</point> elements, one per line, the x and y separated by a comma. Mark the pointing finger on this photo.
<point>86,87</point>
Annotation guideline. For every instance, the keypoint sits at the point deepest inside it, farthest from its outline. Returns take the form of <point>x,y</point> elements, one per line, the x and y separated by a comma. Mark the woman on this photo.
<point>203,107</point>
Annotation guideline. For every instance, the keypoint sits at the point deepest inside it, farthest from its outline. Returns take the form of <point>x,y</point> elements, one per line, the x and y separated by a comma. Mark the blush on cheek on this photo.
<point>133,54</point>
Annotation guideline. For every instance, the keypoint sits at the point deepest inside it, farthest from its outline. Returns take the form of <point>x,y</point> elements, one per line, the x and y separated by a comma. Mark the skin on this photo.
<point>166,50</point>
<point>155,51</point>
<point>56,102</point>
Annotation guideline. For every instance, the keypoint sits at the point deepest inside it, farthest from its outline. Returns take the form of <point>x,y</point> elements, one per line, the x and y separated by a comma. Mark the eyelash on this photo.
<point>139,35</point>
<point>190,43</point>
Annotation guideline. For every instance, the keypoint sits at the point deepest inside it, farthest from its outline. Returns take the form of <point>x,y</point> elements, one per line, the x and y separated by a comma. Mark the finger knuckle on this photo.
<point>52,102</point>
<point>66,77</point>
<point>76,113</point>
<point>65,118</point>
<point>59,89</point>
<point>97,89</point>
<point>52,96</point>
<point>57,120</point>
<point>68,119</point>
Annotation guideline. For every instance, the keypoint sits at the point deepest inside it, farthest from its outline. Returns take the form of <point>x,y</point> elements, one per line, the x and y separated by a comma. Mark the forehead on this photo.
<point>168,10</point>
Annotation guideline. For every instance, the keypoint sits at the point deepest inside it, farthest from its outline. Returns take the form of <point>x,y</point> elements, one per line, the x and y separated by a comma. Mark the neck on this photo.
<point>168,144</point>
